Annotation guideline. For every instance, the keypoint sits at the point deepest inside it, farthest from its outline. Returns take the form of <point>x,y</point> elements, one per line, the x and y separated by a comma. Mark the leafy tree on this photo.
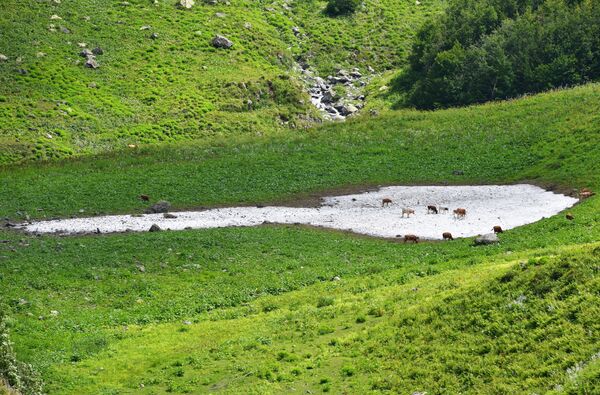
<point>482,50</point>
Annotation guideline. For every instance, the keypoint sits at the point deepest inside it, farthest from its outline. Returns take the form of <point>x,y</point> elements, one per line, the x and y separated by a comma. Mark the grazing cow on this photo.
<point>432,209</point>
<point>497,229</point>
<point>586,194</point>
<point>413,238</point>
<point>386,202</point>
<point>444,209</point>
<point>144,198</point>
<point>447,236</point>
<point>460,213</point>
<point>408,212</point>
<point>570,216</point>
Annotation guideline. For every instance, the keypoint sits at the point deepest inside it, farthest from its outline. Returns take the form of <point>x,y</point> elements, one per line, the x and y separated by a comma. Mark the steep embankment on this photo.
<point>159,77</point>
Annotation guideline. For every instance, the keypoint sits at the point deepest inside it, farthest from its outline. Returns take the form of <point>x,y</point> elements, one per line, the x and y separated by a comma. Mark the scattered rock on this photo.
<point>458,173</point>
<point>296,30</point>
<point>81,45</point>
<point>160,207</point>
<point>3,58</point>
<point>65,30</point>
<point>146,27</point>
<point>141,268</point>
<point>98,51</point>
<point>221,42</point>
<point>169,216</point>
<point>54,313</point>
<point>86,53</point>
<point>92,85</point>
<point>91,63</point>
<point>247,25</point>
<point>55,17</point>
<point>220,15</point>
<point>40,54</point>
<point>154,36</point>
<point>187,4</point>
<point>154,228</point>
<point>336,278</point>
<point>22,71</point>
<point>187,322</point>
<point>490,238</point>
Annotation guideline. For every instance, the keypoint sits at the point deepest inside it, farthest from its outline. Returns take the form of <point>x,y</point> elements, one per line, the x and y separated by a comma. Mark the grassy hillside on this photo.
<point>256,310</point>
<point>177,86</point>
<point>549,139</point>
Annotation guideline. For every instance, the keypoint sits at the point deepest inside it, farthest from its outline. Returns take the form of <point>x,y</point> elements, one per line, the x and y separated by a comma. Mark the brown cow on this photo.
<point>432,209</point>
<point>447,236</point>
<point>413,238</point>
<point>570,216</point>
<point>460,213</point>
<point>386,202</point>
<point>144,198</point>
<point>497,229</point>
<point>586,194</point>
<point>407,211</point>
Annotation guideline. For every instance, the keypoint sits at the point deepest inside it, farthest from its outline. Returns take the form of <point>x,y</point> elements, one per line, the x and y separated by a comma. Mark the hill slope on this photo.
<point>255,309</point>
<point>176,86</point>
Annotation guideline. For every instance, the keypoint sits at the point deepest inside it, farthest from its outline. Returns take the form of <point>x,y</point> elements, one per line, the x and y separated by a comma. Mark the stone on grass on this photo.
<point>221,42</point>
<point>98,51</point>
<point>91,63</point>
<point>490,238</point>
<point>187,4</point>
<point>3,58</point>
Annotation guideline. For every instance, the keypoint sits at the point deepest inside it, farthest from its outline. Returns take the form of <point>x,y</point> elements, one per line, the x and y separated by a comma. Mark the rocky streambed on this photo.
<point>336,96</point>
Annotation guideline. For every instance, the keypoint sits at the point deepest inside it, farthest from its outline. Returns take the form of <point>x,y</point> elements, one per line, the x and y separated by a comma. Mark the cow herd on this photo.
<point>458,213</point>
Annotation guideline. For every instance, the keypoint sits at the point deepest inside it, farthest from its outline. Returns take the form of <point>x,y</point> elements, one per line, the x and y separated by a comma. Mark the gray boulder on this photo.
<point>490,238</point>
<point>221,42</point>
<point>91,63</point>
<point>160,207</point>
<point>86,53</point>
<point>154,228</point>
<point>3,58</point>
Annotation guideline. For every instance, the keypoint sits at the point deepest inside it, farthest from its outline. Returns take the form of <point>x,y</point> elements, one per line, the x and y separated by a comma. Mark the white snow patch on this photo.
<point>508,206</point>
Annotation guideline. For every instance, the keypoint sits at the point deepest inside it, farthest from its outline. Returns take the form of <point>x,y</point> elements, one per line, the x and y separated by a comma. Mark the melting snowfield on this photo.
<point>508,206</point>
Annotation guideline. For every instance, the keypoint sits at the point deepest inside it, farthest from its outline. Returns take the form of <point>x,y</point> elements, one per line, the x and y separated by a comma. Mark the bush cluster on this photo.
<point>16,375</point>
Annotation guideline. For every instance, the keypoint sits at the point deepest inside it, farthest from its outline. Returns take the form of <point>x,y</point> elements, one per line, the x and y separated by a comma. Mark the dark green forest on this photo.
<point>477,51</point>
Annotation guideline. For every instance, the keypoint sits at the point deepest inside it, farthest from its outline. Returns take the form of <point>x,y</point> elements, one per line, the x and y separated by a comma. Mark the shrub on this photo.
<point>341,7</point>
<point>325,301</point>
<point>15,375</point>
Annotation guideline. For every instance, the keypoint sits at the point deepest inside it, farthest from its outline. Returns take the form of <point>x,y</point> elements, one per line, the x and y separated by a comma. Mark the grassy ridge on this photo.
<point>548,138</point>
<point>176,87</point>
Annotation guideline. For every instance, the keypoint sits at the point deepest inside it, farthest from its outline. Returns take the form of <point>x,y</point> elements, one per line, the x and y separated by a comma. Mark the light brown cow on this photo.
<point>386,202</point>
<point>408,212</point>
<point>460,213</point>
<point>497,229</point>
<point>584,194</point>
<point>413,238</point>
<point>447,236</point>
